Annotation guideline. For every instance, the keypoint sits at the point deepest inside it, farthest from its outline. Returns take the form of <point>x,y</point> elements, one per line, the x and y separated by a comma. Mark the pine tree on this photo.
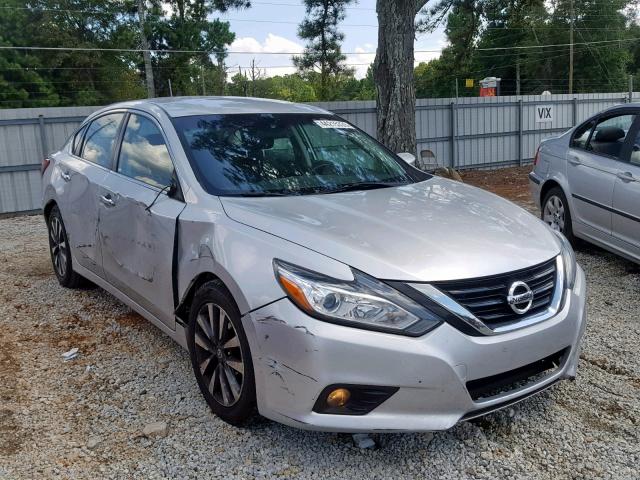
<point>322,58</point>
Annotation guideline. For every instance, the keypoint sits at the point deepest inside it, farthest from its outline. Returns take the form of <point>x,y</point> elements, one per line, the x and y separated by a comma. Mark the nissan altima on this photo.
<point>315,277</point>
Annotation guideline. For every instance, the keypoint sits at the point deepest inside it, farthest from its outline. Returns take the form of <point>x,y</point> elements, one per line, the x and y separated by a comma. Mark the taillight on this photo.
<point>537,157</point>
<point>44,165</point>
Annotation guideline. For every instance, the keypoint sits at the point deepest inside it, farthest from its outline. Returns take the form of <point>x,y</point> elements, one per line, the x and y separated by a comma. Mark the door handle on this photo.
<point>107,200</point>
<point>65,176</point>
<point>626,177</point>
<point>574,160</point>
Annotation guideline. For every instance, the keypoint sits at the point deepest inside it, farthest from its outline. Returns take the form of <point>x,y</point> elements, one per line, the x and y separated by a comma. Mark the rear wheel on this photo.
<point>220,355</point>
<point>60,253</point>
<point>556,214</point>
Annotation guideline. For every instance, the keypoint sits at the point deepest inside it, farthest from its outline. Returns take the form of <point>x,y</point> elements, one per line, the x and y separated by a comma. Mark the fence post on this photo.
<point>575,111</point>
<point>454,134</point>
<point>520,122</point>
<point>630,88</point>
<point>43,136</point>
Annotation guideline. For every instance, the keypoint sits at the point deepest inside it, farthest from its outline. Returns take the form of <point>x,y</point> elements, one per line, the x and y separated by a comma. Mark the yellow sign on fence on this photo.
<point>468,83</point>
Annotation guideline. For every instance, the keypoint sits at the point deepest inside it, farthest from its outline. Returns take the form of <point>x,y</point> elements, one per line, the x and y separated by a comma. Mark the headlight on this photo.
<point>568,260</point>
<point>363,302</point>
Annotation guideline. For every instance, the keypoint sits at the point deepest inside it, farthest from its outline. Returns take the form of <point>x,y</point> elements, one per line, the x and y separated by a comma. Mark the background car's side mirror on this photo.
<point>410,158</point>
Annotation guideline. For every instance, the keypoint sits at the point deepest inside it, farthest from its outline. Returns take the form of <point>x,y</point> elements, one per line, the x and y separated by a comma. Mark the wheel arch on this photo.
<point>182,310</point>
<point>546,187</point>
<point>48,207</point>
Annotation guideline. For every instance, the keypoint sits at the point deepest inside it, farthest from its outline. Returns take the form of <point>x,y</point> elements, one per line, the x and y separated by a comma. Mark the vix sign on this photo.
<point>544,113</point>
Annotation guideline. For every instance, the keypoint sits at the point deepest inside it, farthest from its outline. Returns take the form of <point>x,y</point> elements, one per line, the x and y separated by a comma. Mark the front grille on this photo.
<point>486,297</point>
<point>506,382</point>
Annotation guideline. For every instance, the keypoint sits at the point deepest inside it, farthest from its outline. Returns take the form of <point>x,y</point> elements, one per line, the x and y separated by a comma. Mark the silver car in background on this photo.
<point>314,276</point>
<point>587,181</point>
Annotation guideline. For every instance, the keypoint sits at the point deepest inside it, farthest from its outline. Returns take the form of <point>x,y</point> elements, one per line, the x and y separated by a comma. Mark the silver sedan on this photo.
<point>587,181</point>
<point>315,277</point>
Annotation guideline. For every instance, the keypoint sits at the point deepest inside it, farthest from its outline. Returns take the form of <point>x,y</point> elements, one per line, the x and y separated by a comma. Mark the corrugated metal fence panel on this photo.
<point>471,132</point>
<point>21,150</point>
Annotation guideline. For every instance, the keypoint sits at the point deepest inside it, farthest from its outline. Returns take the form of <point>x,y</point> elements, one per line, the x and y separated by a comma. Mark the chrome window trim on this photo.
<point>474,322</point>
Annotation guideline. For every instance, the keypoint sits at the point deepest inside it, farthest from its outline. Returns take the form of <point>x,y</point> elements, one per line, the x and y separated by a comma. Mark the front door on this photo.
<point>138,227</point>
<point>84,172</point>
<point>592,167</point>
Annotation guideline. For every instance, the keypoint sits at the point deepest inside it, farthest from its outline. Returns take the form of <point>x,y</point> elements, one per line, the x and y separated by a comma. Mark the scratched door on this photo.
<point>138,226</point>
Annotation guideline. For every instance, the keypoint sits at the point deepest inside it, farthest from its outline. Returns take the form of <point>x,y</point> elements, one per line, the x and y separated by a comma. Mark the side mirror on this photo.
<point>410,158</point>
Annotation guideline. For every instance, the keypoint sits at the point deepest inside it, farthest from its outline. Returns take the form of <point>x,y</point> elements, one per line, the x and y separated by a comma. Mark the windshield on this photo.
<point>286,154</point>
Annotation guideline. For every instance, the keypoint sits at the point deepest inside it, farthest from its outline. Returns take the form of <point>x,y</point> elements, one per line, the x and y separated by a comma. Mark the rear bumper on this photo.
<point>295,357</point>
<point>535,186</point>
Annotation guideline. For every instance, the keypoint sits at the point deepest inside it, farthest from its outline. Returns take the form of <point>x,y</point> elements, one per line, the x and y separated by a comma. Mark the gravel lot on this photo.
<point>84,418</point>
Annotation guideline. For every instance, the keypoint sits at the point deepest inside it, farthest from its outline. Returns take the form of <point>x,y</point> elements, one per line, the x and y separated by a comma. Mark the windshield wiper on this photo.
<point>258,194</point>
<point>352,187</point>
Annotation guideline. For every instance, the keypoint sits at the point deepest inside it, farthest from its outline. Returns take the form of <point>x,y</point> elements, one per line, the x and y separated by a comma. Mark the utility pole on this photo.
<point>170,89</point>
<point>456,89</point>
<point>571,49</point>
<point>202,77</point>
<point>518,77</point>
<point>146,54</point>
<point>630,88</point>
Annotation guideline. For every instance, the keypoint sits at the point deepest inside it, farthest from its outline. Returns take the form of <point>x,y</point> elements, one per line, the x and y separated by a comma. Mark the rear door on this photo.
<point>138,227</point>
<point>593,161</point>
<point>83,173</point>
<point>626,198</point>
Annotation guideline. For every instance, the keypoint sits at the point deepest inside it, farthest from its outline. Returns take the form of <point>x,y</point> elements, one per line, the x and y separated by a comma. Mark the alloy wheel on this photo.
<point>554,213</point>
<point>59,250</point>
<point>218,354</point>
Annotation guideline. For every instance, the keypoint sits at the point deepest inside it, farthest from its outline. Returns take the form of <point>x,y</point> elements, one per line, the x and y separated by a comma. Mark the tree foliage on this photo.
<point>94,76</point>
<point>474,27</point>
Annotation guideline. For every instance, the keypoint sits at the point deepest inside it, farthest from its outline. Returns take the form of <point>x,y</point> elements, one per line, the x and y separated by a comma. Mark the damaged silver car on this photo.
<point>315,277</point>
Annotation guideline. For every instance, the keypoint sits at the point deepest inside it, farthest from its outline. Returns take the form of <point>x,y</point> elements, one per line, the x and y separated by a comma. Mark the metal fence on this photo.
<point>468,133</point>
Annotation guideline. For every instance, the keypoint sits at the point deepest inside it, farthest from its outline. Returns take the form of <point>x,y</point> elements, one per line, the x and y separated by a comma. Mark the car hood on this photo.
<point>434,230</point>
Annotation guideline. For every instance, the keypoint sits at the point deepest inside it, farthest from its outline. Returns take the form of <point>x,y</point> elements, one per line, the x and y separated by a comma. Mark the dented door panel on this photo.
<point>138,244</point>
<point>79,188</point>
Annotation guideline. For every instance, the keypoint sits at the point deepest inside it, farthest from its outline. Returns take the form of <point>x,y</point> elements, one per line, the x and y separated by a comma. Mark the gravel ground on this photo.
<point>85,418</point>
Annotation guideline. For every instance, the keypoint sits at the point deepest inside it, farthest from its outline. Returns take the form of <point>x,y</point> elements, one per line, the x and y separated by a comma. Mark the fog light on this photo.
<point>338,397</point>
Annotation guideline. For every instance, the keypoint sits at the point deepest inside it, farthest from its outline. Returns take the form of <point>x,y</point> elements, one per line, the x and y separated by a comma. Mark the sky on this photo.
<point>270,26</point>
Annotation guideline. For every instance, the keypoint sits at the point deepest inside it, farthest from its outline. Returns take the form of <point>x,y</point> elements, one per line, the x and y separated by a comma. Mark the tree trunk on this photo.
<point>146,54</point>
<point>393,74</point>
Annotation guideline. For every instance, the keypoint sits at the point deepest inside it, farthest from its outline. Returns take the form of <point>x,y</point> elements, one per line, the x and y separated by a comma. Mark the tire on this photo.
<point>555,213</point>
<point>220,357</point>
<point>60,253</point>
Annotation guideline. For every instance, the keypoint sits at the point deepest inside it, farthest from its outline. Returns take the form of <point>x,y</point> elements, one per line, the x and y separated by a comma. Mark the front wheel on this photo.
<point>556,213</point>
<point>220,355</point>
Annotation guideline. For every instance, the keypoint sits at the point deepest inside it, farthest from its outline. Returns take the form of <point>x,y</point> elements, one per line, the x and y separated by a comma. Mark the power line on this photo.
<point>235,52</point>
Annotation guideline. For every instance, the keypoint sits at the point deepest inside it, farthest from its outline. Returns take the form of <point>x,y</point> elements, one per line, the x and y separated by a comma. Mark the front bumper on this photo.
<point>295,357</point>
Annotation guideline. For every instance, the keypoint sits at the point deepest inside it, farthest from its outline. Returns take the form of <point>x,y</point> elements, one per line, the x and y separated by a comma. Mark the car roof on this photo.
<point>187,106</point>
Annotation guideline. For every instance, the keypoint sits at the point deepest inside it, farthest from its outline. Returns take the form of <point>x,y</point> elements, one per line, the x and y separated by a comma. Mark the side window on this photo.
<point>144,155</point>
<point>581,135</point>
<point>609,135</point>
<point>77,141</point>
<point>100,138</point>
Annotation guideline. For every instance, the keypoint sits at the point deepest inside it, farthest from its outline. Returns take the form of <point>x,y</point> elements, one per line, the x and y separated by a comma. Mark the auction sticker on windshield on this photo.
<point>332,124</point>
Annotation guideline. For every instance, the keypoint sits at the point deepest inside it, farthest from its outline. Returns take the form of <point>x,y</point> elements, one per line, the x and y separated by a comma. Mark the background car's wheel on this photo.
<point>60,253</point>
<point>556,214</point>
<point>220,355</point>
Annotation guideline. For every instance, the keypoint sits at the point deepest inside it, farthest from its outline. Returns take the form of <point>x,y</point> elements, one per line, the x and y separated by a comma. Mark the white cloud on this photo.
<point>263,53</point>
